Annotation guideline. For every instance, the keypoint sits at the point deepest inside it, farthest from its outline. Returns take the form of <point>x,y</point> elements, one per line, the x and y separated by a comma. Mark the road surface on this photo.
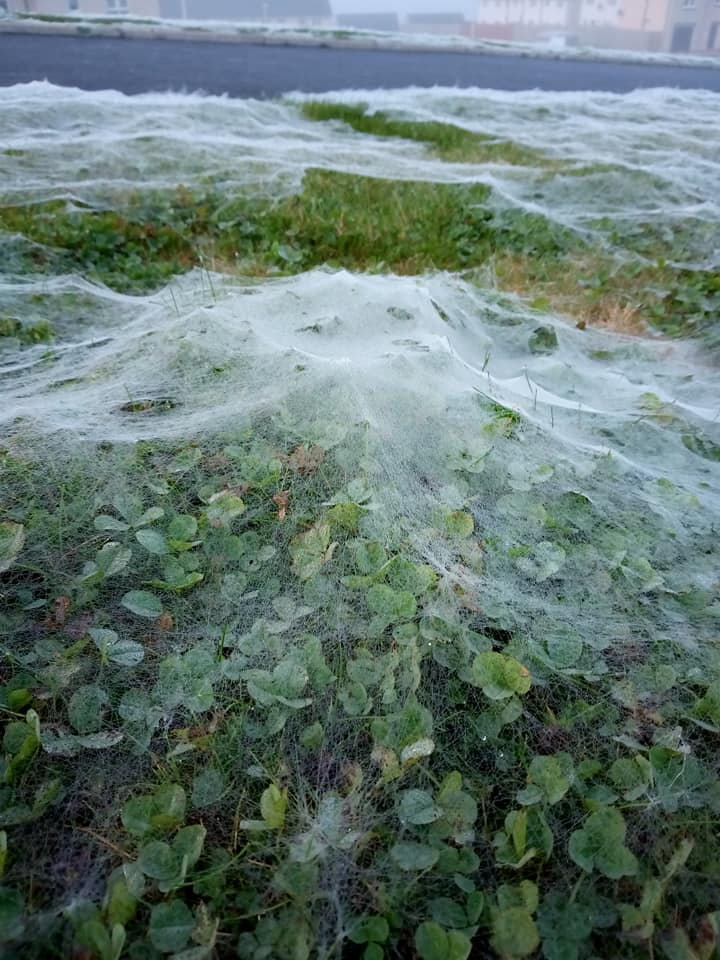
<point>248,70</point>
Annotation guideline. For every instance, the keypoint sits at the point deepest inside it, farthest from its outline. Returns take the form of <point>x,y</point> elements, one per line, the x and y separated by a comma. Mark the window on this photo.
<point>688,4</point>
<point>682,37</point>
<point>117,6</point>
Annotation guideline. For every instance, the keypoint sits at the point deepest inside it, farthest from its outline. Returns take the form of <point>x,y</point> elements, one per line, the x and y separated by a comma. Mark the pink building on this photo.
<point>619,24</point>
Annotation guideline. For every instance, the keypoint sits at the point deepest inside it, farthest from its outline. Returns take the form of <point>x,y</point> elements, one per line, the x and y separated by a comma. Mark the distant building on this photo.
<point>620,24</point>
<point>369,21</point>
<point>442,22</point>
<point>286,11</point>
<point>679,26</point>
<point>693,26</point>
<point>59,7</point>
<point>141,8</point>
<point>299,12</point>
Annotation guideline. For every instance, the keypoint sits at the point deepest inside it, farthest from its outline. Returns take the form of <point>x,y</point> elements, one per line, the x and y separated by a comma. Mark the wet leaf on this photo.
<point>391,605</point>
<point>433,942</point>
<point>87,707</point>
<point>514,933</point>
<point>183,527</point>
<point>223,508</point>
<point>208,788</point>
<point>599,845</point>
<point>125,653</point>
<point>414,856</point>
<point>153,541</point>
<point>143,604</point>
<point>170,926</point>
<point>369,929</point>
<point>311,550</point>
<point>417,807</point>
<point>500,676</point>
<point>458,524</point>
<point>273,804</point>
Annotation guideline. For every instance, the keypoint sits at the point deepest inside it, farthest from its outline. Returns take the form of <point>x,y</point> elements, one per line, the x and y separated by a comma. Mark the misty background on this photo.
<point>677,26</point>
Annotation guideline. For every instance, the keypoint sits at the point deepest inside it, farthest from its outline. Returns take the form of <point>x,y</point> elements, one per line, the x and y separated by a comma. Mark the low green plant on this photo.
<point>449,141</point>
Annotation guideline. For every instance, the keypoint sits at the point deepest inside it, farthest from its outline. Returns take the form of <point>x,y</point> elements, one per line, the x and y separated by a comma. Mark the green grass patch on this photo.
<point>345,220</point>
<point>13,328</point>
<point>364,224</point>
<point>448,141</point>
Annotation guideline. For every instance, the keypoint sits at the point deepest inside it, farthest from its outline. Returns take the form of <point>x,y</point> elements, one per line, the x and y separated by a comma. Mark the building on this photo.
<point>445,22</point>
<point>693,26</point>
<point>388,22</point>
<point>296,12</point>
<point>617,24</point>
<point>678,26</point>
<point>526,20</point>
<point>145,8</point>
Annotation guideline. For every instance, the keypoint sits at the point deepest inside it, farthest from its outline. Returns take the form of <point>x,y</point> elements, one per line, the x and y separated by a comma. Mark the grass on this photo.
<point>73,19</point>
<point>448,141</point>
<point>345,220</point>
<point>13,327</point>
<point>363,224</point>
<point>597,288</point>
<point>305,687</point>
<point>567,822</point>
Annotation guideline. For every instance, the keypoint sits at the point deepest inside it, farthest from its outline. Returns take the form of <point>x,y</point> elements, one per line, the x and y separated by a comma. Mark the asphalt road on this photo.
<point>254,70</point>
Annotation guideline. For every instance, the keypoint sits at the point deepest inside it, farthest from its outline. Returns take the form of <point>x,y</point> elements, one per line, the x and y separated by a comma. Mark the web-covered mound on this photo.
<point>344,614</point>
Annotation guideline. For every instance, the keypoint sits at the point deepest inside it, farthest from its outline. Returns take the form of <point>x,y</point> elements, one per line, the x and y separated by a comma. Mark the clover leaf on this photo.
<point>311,550</point>
<point>599,845</point>
<point>411,856</point>
<point>391,605</point>
<point>12,538</point>
<point>499,676</point>
<point>549,779</point>
<point>433,942</point>
<point>143,604</point>
<point>170,926</point>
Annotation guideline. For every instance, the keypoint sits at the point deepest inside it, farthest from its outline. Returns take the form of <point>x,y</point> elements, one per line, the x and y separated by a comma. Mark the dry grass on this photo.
<point>610,314</point>
<point>620,306</point>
